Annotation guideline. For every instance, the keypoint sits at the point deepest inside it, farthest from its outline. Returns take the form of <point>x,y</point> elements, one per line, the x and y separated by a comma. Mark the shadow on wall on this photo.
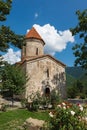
<point>59,81</point>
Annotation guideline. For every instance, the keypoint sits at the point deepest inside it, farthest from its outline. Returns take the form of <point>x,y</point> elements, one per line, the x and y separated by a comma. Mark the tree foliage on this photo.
<point>77,90</point>
<point>7,36</point>
<point>80,49</point>
<point>5,7</point>
<point>13,79</point>
<point>2,63</point>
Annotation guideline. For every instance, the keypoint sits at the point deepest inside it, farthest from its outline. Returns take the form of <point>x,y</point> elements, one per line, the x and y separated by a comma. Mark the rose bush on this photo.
<point>67,116</point>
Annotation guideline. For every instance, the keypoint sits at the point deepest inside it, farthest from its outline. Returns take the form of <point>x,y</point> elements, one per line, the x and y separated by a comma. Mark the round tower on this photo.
<point>34,45</point>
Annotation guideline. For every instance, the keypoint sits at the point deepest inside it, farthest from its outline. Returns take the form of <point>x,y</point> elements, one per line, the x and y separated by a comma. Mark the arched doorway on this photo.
<point>47,91</point>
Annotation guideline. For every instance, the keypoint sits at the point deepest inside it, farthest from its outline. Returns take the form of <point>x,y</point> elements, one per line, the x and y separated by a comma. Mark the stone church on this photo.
<point>46,74</point>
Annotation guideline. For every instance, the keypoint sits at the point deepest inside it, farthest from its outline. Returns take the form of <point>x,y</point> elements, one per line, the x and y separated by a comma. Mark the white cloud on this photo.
<point>36,15</point>
<point>27,31</point>
<point>12,57</point>
<point>56,41</point>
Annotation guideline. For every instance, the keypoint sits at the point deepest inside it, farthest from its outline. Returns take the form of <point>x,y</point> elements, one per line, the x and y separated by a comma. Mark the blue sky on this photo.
<point>59,14</point>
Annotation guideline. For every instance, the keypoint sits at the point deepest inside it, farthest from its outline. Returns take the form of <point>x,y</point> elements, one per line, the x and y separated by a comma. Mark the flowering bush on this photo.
<point>67,116</point>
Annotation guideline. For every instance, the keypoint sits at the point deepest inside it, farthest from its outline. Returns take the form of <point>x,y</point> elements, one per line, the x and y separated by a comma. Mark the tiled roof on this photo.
<point>33,34</point>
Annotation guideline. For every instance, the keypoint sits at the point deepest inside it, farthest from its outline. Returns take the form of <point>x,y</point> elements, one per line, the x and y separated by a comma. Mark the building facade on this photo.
<point>45,73</point>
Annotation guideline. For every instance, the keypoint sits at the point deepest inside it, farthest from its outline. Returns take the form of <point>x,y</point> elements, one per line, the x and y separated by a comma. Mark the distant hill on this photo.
<point>74,73</point>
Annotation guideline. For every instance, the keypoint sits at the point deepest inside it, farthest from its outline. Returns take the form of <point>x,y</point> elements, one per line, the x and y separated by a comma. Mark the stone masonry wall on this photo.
<point>39,80</point>
<point>31,47</point>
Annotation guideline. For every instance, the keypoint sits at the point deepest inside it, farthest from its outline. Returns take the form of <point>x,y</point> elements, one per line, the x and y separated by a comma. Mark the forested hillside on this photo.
<point>76,72</point>
<point>76,82</point>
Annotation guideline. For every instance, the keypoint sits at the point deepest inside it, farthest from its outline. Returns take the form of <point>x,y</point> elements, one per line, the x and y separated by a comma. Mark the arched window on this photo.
<point>36,51</point>
<point>47,73</point>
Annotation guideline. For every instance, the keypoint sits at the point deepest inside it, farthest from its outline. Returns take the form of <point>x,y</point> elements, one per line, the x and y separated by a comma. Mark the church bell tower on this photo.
<point>34,45</point>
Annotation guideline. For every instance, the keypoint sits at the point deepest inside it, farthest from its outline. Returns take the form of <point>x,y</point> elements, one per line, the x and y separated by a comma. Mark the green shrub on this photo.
<point>67,117</point>
<point>24,102</point>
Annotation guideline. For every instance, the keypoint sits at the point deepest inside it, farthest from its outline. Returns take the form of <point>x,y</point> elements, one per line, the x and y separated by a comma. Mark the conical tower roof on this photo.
<point>33,34</point>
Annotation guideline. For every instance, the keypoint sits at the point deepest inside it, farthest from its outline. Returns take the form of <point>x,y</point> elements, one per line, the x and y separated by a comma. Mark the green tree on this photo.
<point>1,63</point>
<point>13,79</point>
<point>7,36</point>
<point>79,86</point>
<point>5,7</point>
<point>72,92</point>
<point>80,49</point>
<point>77,89</point>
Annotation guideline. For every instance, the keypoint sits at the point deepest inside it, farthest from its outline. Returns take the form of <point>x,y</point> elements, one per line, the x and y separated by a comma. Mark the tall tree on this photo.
<point>80,49</point>
<point>7,36</point>
<point>13,79</point>
<point>2,63</point>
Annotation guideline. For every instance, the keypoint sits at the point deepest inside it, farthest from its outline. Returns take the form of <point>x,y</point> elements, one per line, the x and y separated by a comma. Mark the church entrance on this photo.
<point>47,91</point>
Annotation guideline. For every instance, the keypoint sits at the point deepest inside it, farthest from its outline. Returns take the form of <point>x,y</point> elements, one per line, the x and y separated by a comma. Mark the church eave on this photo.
<point>43,56</point>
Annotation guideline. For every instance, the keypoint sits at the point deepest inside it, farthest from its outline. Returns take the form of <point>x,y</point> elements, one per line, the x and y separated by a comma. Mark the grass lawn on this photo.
<point>10,120</point>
